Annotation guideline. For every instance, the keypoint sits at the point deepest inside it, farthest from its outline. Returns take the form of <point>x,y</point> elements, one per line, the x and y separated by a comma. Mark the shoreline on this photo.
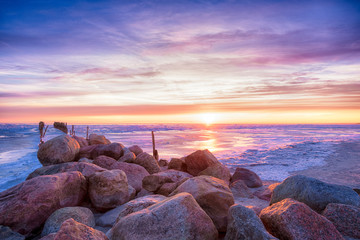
<point>341,167</point>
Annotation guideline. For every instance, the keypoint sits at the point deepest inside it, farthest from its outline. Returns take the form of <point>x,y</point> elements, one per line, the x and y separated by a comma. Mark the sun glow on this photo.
<point>208,118</point>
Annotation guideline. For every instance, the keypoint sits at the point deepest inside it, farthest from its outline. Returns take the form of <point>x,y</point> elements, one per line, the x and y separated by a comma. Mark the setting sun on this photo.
<point>208,118</point>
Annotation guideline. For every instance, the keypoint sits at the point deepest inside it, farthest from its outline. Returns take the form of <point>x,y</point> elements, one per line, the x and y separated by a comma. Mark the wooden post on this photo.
<point>155,152</point>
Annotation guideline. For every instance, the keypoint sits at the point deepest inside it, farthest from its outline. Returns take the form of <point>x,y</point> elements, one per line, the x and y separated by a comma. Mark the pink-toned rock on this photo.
<point>264,194</point>
<point>86,160</point>
<point>199,161</point>
<point>113,150</point>
<point>250,178</point>
<point>135,173</point>
<point>87,169</point>
<point>85,152</point>
<point>82,141</point>
<point>177,217</point>
<point>163,163</point>
<point>26,206</point>
<point>239,189</point>
<point>98,139</point>
<point>154,181</point>
<point>109,218</point>
<point>212,194</point>
<point>290,219</point>
<point>346,218</point>
<point>71,229</point>
<point>127,157</point>
<point>136,149</point>
<point>177,164</point>
<point>217,170</point>
<point>108,189</point>
<point>57,150</point>
<point>148,162</point>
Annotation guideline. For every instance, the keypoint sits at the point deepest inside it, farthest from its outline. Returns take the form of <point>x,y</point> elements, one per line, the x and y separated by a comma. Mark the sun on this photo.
<point>208,118</point>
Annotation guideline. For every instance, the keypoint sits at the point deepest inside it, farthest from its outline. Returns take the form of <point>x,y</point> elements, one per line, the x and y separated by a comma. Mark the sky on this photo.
<point>116,62</point>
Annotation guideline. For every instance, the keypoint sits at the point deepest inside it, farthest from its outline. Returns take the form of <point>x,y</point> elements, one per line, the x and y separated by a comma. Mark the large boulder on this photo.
<point>177,217</point>
<point>199,161</point>
<point>80,214</point>
<point>7,234</point>
<point>82,141</point>
<point>113,150</point>
<point>108,189</point>
<point>71,229</point>
<point>148,162</point>
<point>95,139</point>
<point>87,169</point>
<point>136,149</point>
<point>244,224</point>
<point>315,193</point>
<point>177,164</point>
<point>346,218</point>
<point>26,206</point>
<point>290,219</point>
<point>217,170</point>
<point>212,194</point>
<point>135,173</point>
<point>108,219</point>
<point>250,178</point>
<point>154,181</point>
<point>57,150</point>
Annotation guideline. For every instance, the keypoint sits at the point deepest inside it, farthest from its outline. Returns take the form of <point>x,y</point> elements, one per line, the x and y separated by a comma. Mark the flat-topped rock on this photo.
<point>98,139</point>
<point>314,193</point>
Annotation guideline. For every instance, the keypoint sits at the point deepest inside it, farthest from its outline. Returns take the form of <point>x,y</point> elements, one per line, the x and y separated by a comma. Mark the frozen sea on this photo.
<point>272,151</point>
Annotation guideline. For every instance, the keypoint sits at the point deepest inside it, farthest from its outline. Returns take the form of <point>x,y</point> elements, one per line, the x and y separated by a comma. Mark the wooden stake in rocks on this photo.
<point>155,152</point>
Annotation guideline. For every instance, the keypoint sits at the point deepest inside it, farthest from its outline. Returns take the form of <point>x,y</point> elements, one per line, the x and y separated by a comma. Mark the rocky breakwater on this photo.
<point>95,189</point>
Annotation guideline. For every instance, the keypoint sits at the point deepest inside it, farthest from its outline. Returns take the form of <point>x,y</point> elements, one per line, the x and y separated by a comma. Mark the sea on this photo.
<point>272,151</point>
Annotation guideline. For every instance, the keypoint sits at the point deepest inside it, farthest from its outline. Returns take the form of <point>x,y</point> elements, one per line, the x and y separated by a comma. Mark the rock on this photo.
<point>167,188</point>
<point>98,139</point>
<point>239,189</point>
<point>87,169</point>
<point>113,150</point>
<point>136,149</point>
<point>86,160</point>
<point>153,182</point>
<point>177,164</point>
<point>199,161</point>
<point>244,224</point>
<point>128,157</point>
<point>82,141</point>
<point>71,229</point>
<point>79,214</point>
<point>49,237</point>
<point>143,193</point>
<point>85,152</point>
<point>314,193</point>
<point>108,189</point>
<point>250,178</point>
<point>163,163</point>
<point>26,206</point>
<point>177,217</point>
<point>135,173</point>
<point>108,219</point>
<point>7,234</point>
<point>58,150</point>
<point>264,194</point>
<point>256,209</point>
<point>132,192</point>
<point>148,162</point>
<point>212,194</point>
<point>290,219</point>
<point>346,218</point>
<point>217,170</point>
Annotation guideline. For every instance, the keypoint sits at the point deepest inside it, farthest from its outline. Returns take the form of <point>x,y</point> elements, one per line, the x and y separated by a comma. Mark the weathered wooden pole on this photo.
<point>155,152</point>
